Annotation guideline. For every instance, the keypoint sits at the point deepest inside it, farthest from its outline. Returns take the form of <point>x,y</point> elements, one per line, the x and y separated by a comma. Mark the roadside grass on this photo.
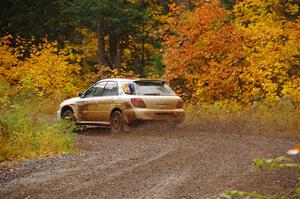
<point>23,136</point>
<point>28,128</point>
<point>276,119</point>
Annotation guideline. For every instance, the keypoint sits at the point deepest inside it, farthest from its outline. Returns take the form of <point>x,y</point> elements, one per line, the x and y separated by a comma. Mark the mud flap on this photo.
<point>126,124</point>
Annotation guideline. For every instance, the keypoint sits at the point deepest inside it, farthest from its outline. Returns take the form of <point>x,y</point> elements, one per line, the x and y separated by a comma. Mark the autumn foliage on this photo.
<point>46,69</point>
<point>250,54</point>
<point>42,68</point>
<point>238,56</point>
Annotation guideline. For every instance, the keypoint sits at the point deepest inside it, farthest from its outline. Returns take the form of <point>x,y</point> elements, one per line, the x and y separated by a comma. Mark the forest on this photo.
<point>238,52</point>
<point>230,60</point>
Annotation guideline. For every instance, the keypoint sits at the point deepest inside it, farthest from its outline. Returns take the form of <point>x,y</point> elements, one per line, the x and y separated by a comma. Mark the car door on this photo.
<point>106,102</point>
<point>87,107</point>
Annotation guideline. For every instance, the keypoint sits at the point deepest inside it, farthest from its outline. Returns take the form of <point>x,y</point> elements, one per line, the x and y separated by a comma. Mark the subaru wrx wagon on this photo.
<point>120,102</point>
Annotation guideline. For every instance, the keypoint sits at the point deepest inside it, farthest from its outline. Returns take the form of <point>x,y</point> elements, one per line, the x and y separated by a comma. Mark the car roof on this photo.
<point>127,79</point>
<point>116,79</point>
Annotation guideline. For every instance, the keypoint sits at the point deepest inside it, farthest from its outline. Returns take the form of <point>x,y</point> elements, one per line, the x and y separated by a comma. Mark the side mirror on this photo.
<point>80,94</point>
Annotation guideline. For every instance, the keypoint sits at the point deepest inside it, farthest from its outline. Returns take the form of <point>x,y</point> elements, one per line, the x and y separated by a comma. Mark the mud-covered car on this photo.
<point>120,102</point>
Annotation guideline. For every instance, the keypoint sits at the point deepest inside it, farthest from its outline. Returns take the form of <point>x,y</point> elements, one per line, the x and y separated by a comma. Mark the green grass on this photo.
<point>28,129</point>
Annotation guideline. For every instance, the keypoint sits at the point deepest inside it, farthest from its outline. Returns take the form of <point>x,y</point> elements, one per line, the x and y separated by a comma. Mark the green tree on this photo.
<point>28,18</point>
<point>113,21</point>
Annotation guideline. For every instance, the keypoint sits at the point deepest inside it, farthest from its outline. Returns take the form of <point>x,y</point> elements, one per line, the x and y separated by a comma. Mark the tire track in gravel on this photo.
<point>165,186</point>
<point>48,176</point>
<point>179,164</point>
<point>142,177</point>
<point>114,172</point>
<point>80,174</point>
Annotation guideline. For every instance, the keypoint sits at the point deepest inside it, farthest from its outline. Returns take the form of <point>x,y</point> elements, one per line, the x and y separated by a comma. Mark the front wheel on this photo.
<point>117,122</point>
<point>68,115</point>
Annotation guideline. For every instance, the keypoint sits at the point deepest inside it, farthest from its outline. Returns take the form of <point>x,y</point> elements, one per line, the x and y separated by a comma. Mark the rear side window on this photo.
<point>128,88</point>
<point>153,88</point>
<point>111,89</point>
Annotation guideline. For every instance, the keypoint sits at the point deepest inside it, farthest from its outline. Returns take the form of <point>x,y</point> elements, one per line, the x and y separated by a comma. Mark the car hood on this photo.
<point>70,101</point>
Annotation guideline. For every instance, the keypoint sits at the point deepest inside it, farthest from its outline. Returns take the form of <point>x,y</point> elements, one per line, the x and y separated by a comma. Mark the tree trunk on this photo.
<point>142,67</point>
<point>119,52</point>
<point>112,49</point>
<point>115,51</point>
<point>101,46</point>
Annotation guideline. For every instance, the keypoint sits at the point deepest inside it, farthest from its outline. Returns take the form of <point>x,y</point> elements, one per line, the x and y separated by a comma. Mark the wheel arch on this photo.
<point>65,108</point>
<point>116,109</point>
<point>119,110</point>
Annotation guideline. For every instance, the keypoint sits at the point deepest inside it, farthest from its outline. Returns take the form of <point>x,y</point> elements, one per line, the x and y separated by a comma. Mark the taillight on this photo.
<point>179,104</point>
<point>138,102</point>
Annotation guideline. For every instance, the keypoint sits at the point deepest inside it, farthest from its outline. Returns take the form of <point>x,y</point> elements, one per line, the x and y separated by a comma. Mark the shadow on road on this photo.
<point>94,131</point>
<point>146,128</point>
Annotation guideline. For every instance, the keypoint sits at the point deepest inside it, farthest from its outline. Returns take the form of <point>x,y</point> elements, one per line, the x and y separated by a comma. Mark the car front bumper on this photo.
<point>58,115</point>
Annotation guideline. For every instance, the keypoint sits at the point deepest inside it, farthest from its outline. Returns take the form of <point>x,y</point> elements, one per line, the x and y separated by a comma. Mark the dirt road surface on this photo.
<point>188,162</point>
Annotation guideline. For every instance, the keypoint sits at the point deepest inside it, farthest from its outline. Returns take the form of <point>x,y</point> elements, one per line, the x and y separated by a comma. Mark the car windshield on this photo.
<point>147,88</point>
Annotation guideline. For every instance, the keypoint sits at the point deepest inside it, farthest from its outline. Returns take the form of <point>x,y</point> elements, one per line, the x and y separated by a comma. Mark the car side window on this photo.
<point>111,89</point>
<point>128,88</point>
<point>96,90</point>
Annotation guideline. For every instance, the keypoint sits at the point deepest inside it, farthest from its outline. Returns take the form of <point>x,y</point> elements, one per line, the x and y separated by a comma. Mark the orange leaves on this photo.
<point>215,58</point>
<point>203,44</point>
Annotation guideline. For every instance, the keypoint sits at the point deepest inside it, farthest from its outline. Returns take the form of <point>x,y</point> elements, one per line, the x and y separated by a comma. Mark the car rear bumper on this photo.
<point>177,115</point>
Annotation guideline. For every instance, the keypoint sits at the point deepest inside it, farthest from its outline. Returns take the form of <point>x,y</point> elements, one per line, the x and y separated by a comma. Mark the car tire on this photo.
<point>117,122</point>
<point>68,115</point>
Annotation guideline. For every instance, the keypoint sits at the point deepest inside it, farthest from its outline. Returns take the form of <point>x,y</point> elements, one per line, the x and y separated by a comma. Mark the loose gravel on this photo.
<point>186,162</point>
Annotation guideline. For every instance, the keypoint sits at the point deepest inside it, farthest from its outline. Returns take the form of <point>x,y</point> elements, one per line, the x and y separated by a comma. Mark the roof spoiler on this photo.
<point>162,82</point>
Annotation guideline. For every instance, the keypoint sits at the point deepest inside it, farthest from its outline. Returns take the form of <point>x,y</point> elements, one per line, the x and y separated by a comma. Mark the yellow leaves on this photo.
<point>47,70</point>
<point>8,57</point>
<point>251,11</point>
<point>271,51</point>
<point>292,8</point>
<point>121,73</point>
<point>89,47</point>
<point>292,88</point>
<point>104,72</point>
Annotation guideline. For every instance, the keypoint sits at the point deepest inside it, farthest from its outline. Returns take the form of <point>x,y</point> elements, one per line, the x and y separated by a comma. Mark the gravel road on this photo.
<point>152,163</point>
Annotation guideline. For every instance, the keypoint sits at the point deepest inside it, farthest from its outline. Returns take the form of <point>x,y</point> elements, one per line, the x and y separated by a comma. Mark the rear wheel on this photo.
<point>117,122</point>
